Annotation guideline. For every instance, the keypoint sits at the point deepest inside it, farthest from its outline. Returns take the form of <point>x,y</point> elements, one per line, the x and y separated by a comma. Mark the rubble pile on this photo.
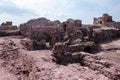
<point>14,62</point>
<point>92,61</point>
<point>8,29</point>
<point>8,26</point>
<point>31,24</point>
<point>106,20</point>
<point>105,34</point>
<point>56,45</point>
<point>77,37</point>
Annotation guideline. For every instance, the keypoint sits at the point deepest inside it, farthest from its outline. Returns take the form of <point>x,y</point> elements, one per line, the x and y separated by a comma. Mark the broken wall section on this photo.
<point>8,26</point>
<point>106,20</point>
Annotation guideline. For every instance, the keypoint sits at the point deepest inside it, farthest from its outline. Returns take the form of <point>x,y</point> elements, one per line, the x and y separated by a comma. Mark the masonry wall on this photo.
<point>112,24</point>
<point>8,27</point>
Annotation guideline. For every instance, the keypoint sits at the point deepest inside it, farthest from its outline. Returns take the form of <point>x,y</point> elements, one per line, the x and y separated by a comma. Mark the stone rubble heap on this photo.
<point>8,29</point>
<point>70,42</point>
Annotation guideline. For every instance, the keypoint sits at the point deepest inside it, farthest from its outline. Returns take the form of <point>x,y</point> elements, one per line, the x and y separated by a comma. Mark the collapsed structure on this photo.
<point>70,41</point>
<point>8,29</point>
<point>106,20</point>
<point>8,26</point>
<point>44,34</point>
<point>76,36</point>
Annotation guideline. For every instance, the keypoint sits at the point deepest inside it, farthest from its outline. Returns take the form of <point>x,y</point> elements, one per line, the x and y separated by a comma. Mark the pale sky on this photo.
<point>20,11</point>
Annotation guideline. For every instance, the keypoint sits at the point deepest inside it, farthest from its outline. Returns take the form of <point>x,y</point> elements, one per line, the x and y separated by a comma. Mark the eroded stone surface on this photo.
<point>39,65</point>
<point>25,57</point>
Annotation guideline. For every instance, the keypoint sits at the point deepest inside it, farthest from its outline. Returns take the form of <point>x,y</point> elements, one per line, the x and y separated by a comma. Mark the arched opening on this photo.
<point>100,22</point>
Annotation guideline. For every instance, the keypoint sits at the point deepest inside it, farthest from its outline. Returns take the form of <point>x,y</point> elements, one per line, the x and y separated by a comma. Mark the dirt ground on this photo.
<point>111,51</point>
<point>38,65</point>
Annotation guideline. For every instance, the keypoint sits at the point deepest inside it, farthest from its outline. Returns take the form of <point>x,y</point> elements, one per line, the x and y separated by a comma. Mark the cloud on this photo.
<point>9,7</point>
<point>23,10</point>
<point>11,12</point>
<point>44,7</point>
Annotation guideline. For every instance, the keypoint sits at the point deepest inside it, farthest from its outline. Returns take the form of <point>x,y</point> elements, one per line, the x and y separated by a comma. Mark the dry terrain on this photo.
<point>38,65</point>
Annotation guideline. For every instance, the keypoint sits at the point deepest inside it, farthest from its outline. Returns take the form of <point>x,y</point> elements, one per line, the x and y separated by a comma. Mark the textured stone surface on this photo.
<point>71,25</point>
<point>50,34</point>
<point>9,33</point>
<point>83,46</point>
<point>8,26</point>
<point>31,24</point>
<point>106,20</point>
<point>25,57</point>
<point>42,29</point>
<point>105,34</point>
<point>101,20</point>
<point>27,43</point>
<point>39,64</point>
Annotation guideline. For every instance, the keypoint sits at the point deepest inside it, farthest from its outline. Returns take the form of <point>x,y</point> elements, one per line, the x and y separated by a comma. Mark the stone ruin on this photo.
<point>106,20</point>
<point>35,23</point>
<point>71,41</point>
<point>102,20</point>
<point>7,26</point>
<point>8,29</point>
<point>15,62</point>
<point>85,38</point>
<point>44,34</point>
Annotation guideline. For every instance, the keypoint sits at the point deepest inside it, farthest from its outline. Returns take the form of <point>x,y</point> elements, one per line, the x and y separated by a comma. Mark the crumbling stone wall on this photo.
<point>47,34</point>
<point>9,33</point>
<point>8,26</point>
<point>72,30</point>
<point>25,28</point>
<point>106,20</point>
<point>113,24</point>
<point>105,34</point>
<point>42,31</point>
<point>101,20</point>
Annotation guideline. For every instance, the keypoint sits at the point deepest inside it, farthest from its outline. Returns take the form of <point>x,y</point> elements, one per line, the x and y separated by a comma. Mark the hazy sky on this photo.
<point>20,11</point>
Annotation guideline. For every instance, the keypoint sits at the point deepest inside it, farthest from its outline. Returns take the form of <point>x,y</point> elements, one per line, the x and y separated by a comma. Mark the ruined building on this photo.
<point>84,52</point>
<point>101,20</point>
<point>8,29</point>
<point>8,26</point>
<point>106,20</point>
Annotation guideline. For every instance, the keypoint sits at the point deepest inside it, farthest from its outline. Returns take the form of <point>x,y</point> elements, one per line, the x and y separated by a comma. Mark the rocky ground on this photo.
<point>41,49</point>
<point>22,64</point>
<point>111,51</point>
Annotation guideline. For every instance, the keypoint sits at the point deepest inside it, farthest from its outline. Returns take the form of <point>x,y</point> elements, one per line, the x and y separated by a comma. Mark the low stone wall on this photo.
<point>105,34</point>
<point>8,28</point>
<point>50,34</point>
<point>9,33</point>
<point>33,23</point>
<point>113,24</point>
